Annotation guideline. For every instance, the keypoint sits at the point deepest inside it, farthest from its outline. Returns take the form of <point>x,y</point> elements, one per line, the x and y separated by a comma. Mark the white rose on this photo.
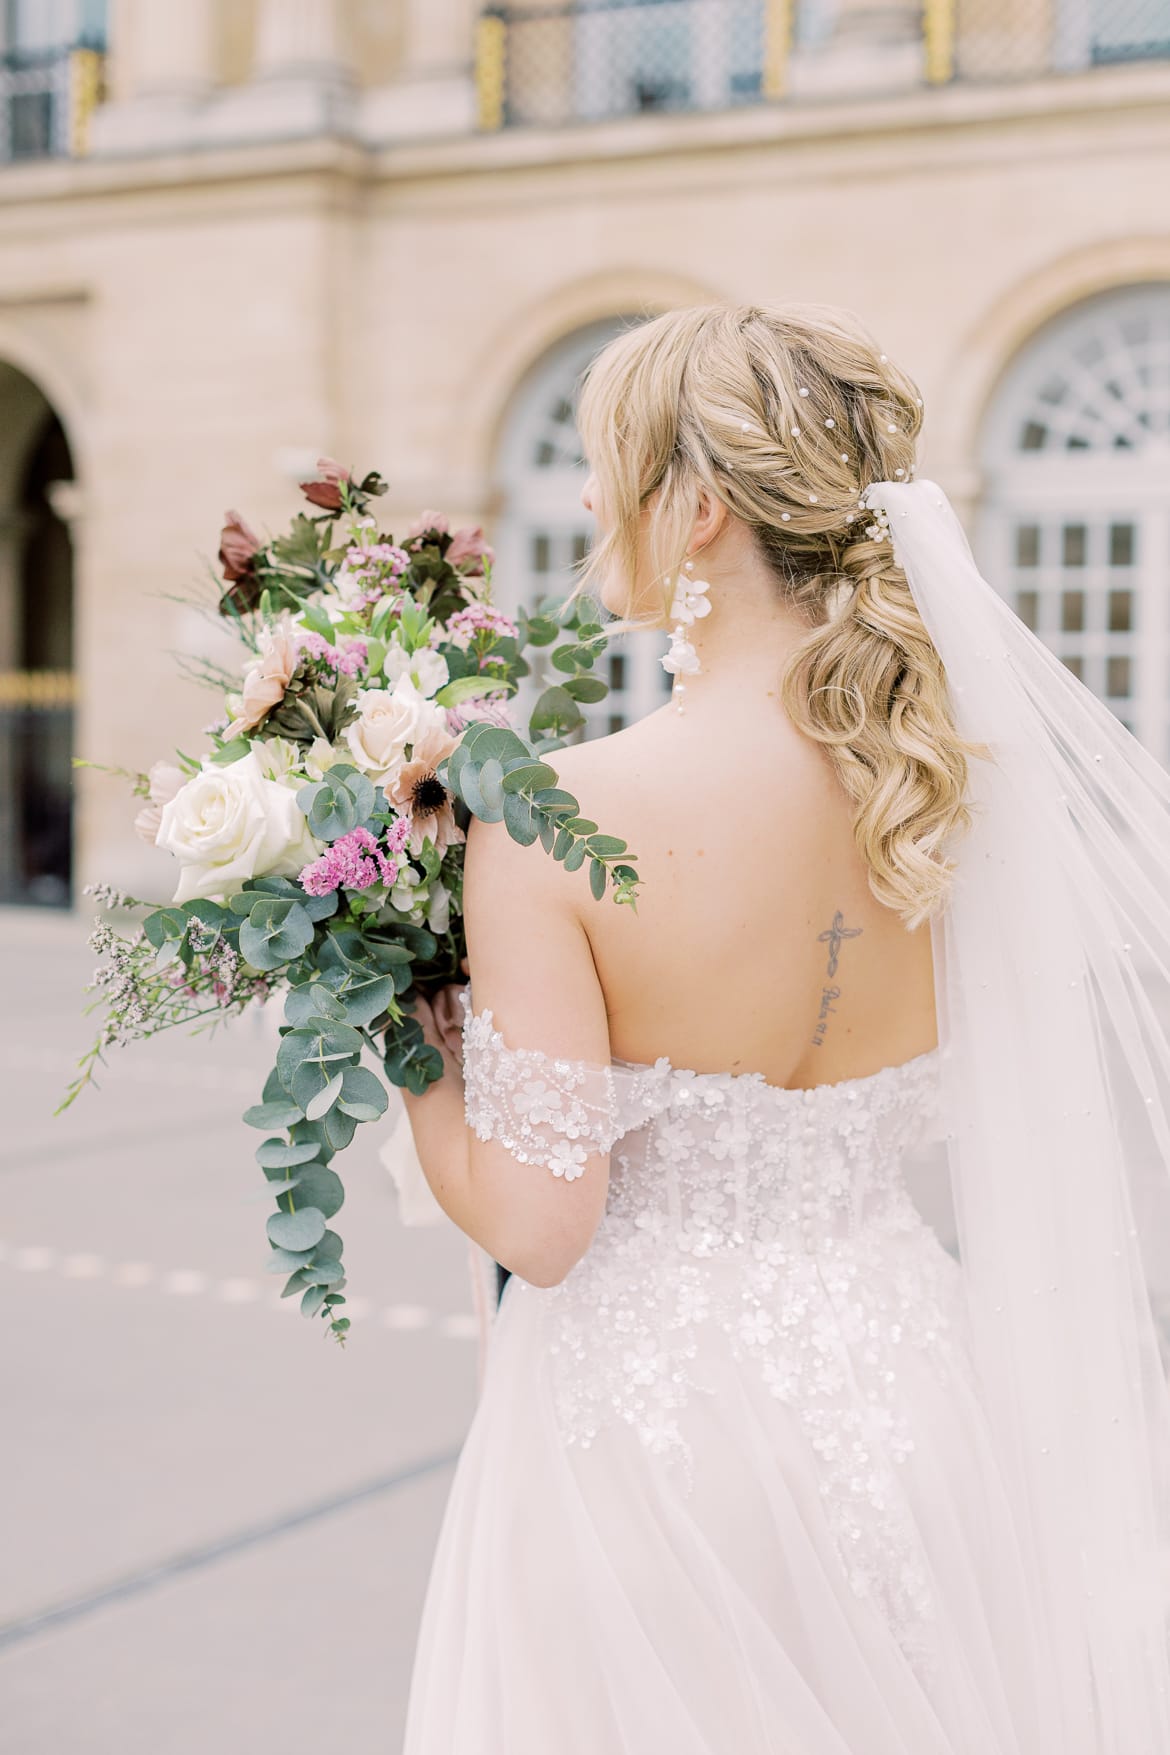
<point>388,720</point>
<point>232,823</point>
<point>426,668</point>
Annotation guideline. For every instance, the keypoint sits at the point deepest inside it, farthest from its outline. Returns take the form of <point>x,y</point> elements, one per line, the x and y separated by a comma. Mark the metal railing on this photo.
<point>545,62</point>
<point>46,101</point>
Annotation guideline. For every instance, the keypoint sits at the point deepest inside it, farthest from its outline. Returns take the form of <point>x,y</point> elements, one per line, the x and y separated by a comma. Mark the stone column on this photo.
<point>299,39</point>
<point>162,71</point>
<point>434,92</point>
<point>875,46</point>
<point>301,80</point>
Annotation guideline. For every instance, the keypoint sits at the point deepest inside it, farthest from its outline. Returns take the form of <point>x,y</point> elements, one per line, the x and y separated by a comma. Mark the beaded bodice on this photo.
<point>773,1228</point>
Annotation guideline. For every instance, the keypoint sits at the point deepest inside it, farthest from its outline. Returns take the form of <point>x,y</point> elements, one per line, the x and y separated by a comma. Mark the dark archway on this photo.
<point>37,684</point>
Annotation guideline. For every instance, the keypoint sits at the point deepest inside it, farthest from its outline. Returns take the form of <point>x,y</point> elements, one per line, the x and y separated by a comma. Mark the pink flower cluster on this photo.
<point>348,659</point>
<point>478,618</point>
<point>479,708</point>
<point>355,861</point>
<point>368,571</point>
<point>377,554</point>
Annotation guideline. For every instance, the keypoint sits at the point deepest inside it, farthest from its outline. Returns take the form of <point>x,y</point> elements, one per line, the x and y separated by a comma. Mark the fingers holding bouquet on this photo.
<point>441,1018</point>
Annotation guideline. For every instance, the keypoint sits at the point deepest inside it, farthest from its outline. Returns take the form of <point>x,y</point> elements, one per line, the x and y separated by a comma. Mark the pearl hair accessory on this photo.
<point>879,530</point>
<point>688,605</point>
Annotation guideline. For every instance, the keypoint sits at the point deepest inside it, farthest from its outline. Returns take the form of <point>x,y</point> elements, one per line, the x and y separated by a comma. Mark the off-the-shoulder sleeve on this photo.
<point>542,1108</point>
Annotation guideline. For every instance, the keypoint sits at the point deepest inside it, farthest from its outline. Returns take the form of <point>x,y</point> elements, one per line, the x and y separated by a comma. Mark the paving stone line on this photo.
<point>192,1282</point>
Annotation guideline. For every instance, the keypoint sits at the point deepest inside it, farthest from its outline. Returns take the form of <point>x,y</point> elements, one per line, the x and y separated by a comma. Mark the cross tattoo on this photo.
<point>833,937</point>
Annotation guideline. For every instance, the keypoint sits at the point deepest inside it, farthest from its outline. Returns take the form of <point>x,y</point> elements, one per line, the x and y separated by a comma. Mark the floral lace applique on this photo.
<point>779,1219</point>
<point>543,1108</point>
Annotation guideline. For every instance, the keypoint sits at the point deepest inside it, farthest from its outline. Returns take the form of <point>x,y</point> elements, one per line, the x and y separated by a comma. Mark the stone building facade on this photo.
<point>235,233</point>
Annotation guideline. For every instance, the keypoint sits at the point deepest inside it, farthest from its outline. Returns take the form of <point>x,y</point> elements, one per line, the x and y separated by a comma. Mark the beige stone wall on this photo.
<point>192,317</point>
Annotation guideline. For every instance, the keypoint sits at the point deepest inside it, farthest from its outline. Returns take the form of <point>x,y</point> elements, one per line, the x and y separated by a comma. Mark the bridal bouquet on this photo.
<point>320,838</point>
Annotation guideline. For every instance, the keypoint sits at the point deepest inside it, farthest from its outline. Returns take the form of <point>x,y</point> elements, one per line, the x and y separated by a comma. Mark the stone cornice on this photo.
<point>1129,95</point>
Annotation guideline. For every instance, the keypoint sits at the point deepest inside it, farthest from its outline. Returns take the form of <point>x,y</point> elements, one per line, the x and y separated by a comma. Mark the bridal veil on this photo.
<point>1052,971</point>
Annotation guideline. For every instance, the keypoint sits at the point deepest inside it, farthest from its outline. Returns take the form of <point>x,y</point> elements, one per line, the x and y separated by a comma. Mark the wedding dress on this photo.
<point>728,1488</point>
<point>774,1472</point>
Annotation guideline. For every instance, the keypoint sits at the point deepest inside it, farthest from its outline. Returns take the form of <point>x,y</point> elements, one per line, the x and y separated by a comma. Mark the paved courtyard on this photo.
<point>218,1523</point>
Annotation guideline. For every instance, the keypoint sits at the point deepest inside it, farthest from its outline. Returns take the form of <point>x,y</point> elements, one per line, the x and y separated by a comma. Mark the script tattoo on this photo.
<point>834,937</point>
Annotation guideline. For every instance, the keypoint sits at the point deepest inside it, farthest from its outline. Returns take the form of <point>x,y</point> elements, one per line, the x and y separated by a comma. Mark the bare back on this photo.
<point>757,945</point>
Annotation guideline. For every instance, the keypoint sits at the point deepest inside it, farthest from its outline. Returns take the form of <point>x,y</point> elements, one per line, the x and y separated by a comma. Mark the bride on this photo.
<point>759,1465</point>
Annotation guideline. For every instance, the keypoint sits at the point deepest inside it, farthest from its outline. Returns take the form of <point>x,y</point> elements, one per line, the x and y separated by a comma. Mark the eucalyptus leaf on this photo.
<point>364,998</point>
<point>278,1113</point>
<point>491,787</point>
<point>586,688</point>
<point>325,1098</point>
<point>529,777</point>
<point>323,1273</point>
<point>277,1154</point>
<point>338,1129</point>
<point>363,1095</point>
<point>287,1261</point>
<point>555,709</point>
<point>321,1190</point>
<point>296,1231</point>
<point>597,878</point>
<point>275,932</point>
<point>468,790</point>
<point>541,631</point>
<point>519,819</point>
<point>575,856</point>
<point>315,999</point>
<point>554,798</point>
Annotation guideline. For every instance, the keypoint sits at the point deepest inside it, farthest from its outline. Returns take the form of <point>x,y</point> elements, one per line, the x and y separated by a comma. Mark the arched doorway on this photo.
<point>36,649</point>
<point>544,529</point>
<point>1075,524</point>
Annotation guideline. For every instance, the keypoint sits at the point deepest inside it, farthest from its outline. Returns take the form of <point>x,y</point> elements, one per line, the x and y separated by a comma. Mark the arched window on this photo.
<point>1076,519</point>
<point>544,530</point>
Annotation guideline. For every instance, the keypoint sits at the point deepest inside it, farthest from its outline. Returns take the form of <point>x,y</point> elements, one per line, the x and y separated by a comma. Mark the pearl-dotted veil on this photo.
<point>1052,968</point>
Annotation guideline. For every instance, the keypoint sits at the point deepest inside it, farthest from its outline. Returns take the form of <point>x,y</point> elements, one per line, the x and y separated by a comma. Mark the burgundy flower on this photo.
<point>469,545</point>
<point>238,548</point>
<point>326,493</point>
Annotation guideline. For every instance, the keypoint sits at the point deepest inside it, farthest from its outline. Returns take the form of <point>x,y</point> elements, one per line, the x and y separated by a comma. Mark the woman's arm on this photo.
<point>531,965</point>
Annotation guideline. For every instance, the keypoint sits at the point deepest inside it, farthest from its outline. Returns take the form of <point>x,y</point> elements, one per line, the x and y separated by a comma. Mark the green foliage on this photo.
<point>349,965</point>
<point>500,777</point>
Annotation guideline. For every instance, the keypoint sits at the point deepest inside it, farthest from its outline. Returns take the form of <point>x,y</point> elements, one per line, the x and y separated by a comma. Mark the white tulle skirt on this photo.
<point>581,1603</point>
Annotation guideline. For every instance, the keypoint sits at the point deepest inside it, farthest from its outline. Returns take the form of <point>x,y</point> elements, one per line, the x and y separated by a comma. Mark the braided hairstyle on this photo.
<point>786,414</point>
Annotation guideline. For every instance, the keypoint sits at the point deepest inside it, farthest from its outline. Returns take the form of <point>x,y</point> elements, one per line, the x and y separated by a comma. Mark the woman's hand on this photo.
<point>441,1018</point>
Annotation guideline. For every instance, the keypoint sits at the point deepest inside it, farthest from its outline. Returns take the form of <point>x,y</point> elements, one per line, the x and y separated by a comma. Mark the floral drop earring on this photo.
<point>688,605</point>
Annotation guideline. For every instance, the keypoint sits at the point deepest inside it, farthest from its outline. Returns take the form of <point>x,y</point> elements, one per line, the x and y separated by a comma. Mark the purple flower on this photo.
<point>355,861</point>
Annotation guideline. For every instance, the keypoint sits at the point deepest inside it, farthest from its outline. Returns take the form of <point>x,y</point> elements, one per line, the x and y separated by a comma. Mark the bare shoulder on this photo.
<point>624,762</point>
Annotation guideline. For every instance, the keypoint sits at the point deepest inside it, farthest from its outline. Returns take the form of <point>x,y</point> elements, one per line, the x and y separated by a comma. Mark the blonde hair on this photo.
<point>662,410</point>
